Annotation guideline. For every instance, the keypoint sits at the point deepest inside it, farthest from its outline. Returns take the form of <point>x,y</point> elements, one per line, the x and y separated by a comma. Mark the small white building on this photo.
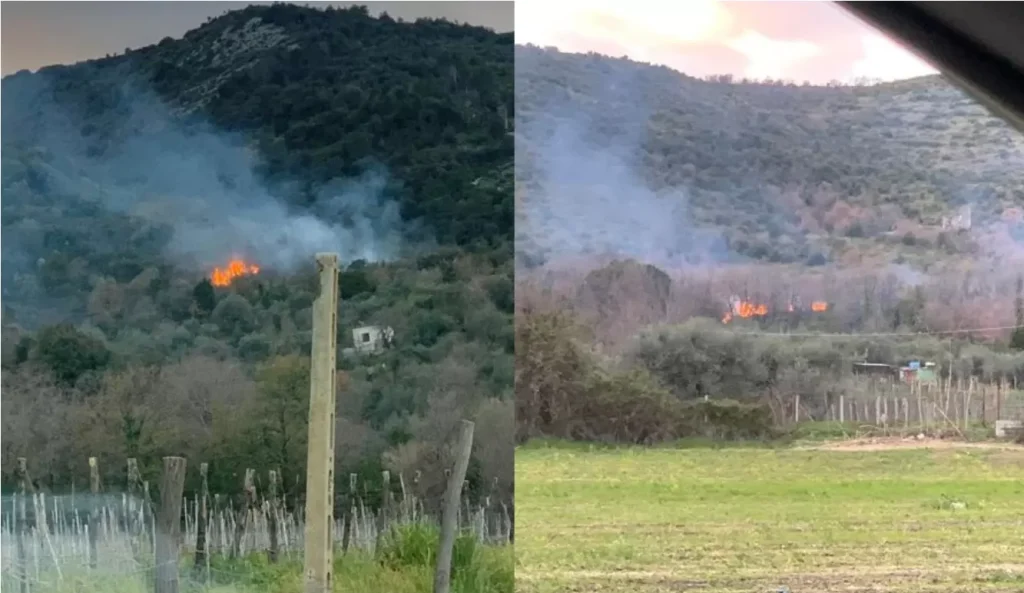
<point>1008,428</point>
<point>372,339</point>
<point>961,221</point>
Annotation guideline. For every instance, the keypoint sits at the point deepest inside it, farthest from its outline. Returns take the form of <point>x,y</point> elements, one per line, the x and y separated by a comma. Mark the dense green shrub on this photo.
<point>701,380</point>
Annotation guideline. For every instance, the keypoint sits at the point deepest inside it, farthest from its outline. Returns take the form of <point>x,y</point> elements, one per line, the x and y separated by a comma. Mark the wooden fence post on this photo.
<point>132,520</point>
<point>984,405</point>
<point>133,485</point>
<point>217,516</point>
<point>510,513</point>
<point>26,491</point>
<point>168,532</point>
<point>94,517</point>
<point>148,516</point>
<point>967,404</point>
<point>272,551</point>
<point>384,513</point>
<point>202,556</point>
<point>467,511</point>
<point>242,517</point>
<point>349,513</point>
<point>450,512</point>
<point>320,455</point>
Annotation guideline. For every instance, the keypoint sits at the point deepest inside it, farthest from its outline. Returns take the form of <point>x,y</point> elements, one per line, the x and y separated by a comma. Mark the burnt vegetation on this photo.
<point>110,349</point>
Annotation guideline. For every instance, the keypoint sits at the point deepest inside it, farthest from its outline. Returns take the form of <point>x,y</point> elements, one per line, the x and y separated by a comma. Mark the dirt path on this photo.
<point>897,443</point>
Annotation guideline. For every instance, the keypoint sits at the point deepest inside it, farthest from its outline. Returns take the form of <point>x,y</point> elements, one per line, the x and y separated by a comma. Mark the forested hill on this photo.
<point>267,134</point>
<point>769,170</point>
<point>318,95</point>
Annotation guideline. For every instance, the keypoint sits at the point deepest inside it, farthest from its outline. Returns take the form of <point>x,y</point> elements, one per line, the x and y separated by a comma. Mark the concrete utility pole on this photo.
<point>320,457</point>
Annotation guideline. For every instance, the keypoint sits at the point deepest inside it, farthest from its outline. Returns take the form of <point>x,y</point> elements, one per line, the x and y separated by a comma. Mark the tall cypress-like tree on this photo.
<point>204,297</point>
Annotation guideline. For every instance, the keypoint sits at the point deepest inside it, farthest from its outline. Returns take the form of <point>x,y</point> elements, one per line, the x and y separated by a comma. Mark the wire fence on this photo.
<point>941,405</point>
<point>106,543</point>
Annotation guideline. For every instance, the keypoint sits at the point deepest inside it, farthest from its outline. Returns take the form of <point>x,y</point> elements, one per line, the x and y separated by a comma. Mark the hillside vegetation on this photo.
<point>775,171</point>
<point>669,229</point>
<point>317,94</point>
<point>118,175</point>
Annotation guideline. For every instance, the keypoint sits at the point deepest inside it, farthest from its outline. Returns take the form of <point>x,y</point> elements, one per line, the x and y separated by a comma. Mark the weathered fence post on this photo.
<point>202,556</point>
<point>168,531</point>
<point>272,551</point>
<point>450,512</point>
<point>217,516</point>
<point>510,515</point>
<point>94,516</point>
<point>968,395</point>
<point>384,513</point>
<point>467,510</point>
<point>922,414</point>
<point>242,517</point>
<point>492,495</point>
<point>986,395</point>
<point>38,522</point>
<point>132,520</point>
<point>999,401</point>
<point>25,490</point>
<point>349,513</point>
<point>148,516</point>
<point>320,455</point>
<point>133,484</point>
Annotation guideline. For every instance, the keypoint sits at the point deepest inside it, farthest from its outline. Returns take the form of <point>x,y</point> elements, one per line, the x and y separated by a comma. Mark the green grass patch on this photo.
<point>749,519</point>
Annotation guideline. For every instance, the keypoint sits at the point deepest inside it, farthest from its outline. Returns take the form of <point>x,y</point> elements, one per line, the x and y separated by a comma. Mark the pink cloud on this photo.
<point>814,41</point>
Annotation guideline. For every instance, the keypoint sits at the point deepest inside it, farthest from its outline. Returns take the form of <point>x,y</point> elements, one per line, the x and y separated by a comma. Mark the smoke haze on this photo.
<point>172,169</point>
<point>585,194</point>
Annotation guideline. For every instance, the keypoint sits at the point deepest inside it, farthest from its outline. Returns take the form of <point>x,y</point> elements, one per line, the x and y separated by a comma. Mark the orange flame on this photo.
<point>236,268</point>
<point>748,309</point>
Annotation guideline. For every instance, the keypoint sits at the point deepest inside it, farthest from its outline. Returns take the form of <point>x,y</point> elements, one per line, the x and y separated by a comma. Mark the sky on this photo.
<point>36,34</point>
<point>813,41</point>
<point>800,41</point>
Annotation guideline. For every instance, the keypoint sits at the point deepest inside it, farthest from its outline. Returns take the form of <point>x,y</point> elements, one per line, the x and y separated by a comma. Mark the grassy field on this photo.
<point>755,519</point>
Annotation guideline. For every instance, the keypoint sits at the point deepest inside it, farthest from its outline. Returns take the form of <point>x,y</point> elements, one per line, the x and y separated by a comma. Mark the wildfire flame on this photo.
<point>236,268</point>
<point>748,309</point>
